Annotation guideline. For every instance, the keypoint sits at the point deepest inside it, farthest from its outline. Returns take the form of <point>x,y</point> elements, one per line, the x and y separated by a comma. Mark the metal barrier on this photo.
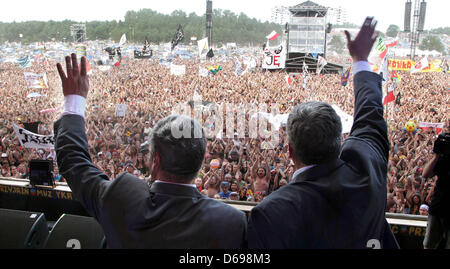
<point>20,195</point>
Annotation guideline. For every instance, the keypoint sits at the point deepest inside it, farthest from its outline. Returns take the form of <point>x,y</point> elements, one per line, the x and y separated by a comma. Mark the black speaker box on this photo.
<point>41,172</point>
<point>76,232</point>
<point>22,229</point>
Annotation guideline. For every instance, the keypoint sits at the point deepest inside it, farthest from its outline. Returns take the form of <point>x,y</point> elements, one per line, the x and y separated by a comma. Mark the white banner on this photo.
<point>431,125</point>
<point>346,119</point>
<point>177,70</point>
<point>121,109</point>
<point>36,81</point>
<point>203,72</point>
<point>275,57</point>
<point>31,140</point>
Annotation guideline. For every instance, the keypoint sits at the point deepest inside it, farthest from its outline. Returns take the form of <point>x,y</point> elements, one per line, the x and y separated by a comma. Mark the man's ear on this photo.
<point>291,153</point>
<point>155,163</point>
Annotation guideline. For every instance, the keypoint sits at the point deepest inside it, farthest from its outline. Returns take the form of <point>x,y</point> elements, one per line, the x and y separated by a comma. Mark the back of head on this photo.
<point>181,144</point>
<point>314,132</point>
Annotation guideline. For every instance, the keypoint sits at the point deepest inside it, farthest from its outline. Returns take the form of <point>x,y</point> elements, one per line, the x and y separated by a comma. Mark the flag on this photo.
<point>210,53</point>
<point>321,64</point>
<point>272,36</point>
<point>381,47</point>
<point>384,72</point>
<point>123,39</point>
<point>238,68</point>
<point>203,47</point>
<point>396,76</point>
<point>427,125</point>
<point>288,80</point>
<point>345,76</point>
<point>214,69</point>
<point>88,67</point>
<point>392,44</point>
<point>305,74</point>
<point>178,37</point>
<point>390,97</point>
<point>422,64</point>
<point>117,64</point>
<point>24,62</point>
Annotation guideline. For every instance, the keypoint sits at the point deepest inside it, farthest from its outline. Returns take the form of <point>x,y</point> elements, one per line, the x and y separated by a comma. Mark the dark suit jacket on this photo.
<point>132,214</point>
<point>340,204</point>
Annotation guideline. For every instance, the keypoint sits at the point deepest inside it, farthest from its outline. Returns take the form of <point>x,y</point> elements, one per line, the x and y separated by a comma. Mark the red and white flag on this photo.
<point>422,64</point>
<point>288,80</point>
<point>392,44</point>
<point>272,36</point>
<point>427,125</point>
<point>390,97</point>
<point>88,67</point>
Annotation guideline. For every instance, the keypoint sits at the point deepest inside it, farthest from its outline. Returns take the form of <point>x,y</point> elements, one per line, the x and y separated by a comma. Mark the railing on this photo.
<point>54,201</point>
<point>393,218</point>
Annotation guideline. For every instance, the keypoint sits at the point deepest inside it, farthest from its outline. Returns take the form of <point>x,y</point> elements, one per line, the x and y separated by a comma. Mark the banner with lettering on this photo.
<point>36,81</point>
<point>275,57</point>
<point>406,65</point>
<point>31,140</point>
<point>427,125</point>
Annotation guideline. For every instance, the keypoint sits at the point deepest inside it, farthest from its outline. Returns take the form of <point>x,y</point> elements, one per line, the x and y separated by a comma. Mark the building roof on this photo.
<point>308,6</point>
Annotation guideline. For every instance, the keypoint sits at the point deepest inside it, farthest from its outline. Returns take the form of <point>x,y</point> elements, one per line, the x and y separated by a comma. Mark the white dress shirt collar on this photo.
<point>180,184</point>
<point>301,170</point>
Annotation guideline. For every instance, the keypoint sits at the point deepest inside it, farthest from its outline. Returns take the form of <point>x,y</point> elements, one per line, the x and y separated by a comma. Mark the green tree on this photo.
<point>392,30</point>
<point>337,44</point>
<point>432,43</point>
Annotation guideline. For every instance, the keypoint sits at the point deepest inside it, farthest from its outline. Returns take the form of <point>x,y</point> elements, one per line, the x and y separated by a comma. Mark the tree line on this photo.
<point>146,23</point>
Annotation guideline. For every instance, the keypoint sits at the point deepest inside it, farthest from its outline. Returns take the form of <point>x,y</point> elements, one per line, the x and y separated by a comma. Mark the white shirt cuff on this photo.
<point>361,66</point>
<point>74,104</point>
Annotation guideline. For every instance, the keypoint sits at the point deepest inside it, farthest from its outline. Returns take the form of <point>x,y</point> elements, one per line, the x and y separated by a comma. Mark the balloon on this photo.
<point>410,126</point>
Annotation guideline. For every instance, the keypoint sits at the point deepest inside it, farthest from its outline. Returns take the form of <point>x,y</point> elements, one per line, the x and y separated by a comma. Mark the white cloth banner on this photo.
<point>36,81</point>
<point>346,119</point>
<point>275,57</point>
<point>177,70</point>
<point>431,125</point>
<point>121,109</point>
<point>31,140</point>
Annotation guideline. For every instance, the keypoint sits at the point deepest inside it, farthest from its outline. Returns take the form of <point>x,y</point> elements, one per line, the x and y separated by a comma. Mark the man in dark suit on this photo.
<point>338,193</point>
<point>171,213</point>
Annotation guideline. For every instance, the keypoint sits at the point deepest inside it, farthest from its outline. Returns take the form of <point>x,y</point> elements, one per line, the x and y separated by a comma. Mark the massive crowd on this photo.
<point>247,170</point>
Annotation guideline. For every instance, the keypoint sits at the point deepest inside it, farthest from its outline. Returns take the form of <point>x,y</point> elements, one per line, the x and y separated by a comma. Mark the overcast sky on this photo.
<point>385,11</point>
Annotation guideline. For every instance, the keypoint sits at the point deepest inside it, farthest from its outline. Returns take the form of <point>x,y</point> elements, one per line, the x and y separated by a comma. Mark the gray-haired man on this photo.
<point>171,213</point>
<point>338,195</point>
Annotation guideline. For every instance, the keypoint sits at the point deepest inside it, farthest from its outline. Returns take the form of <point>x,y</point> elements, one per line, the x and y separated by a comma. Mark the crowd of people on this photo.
<point>235,168</point>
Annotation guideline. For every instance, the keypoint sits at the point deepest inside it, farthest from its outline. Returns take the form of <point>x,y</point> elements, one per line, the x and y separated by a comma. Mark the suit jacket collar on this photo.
<point>319,170</point>
<point>172,189</point>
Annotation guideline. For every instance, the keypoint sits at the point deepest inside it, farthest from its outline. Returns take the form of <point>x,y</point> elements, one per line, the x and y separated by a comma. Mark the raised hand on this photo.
<point>361,46</point>
<point>77,81</point>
